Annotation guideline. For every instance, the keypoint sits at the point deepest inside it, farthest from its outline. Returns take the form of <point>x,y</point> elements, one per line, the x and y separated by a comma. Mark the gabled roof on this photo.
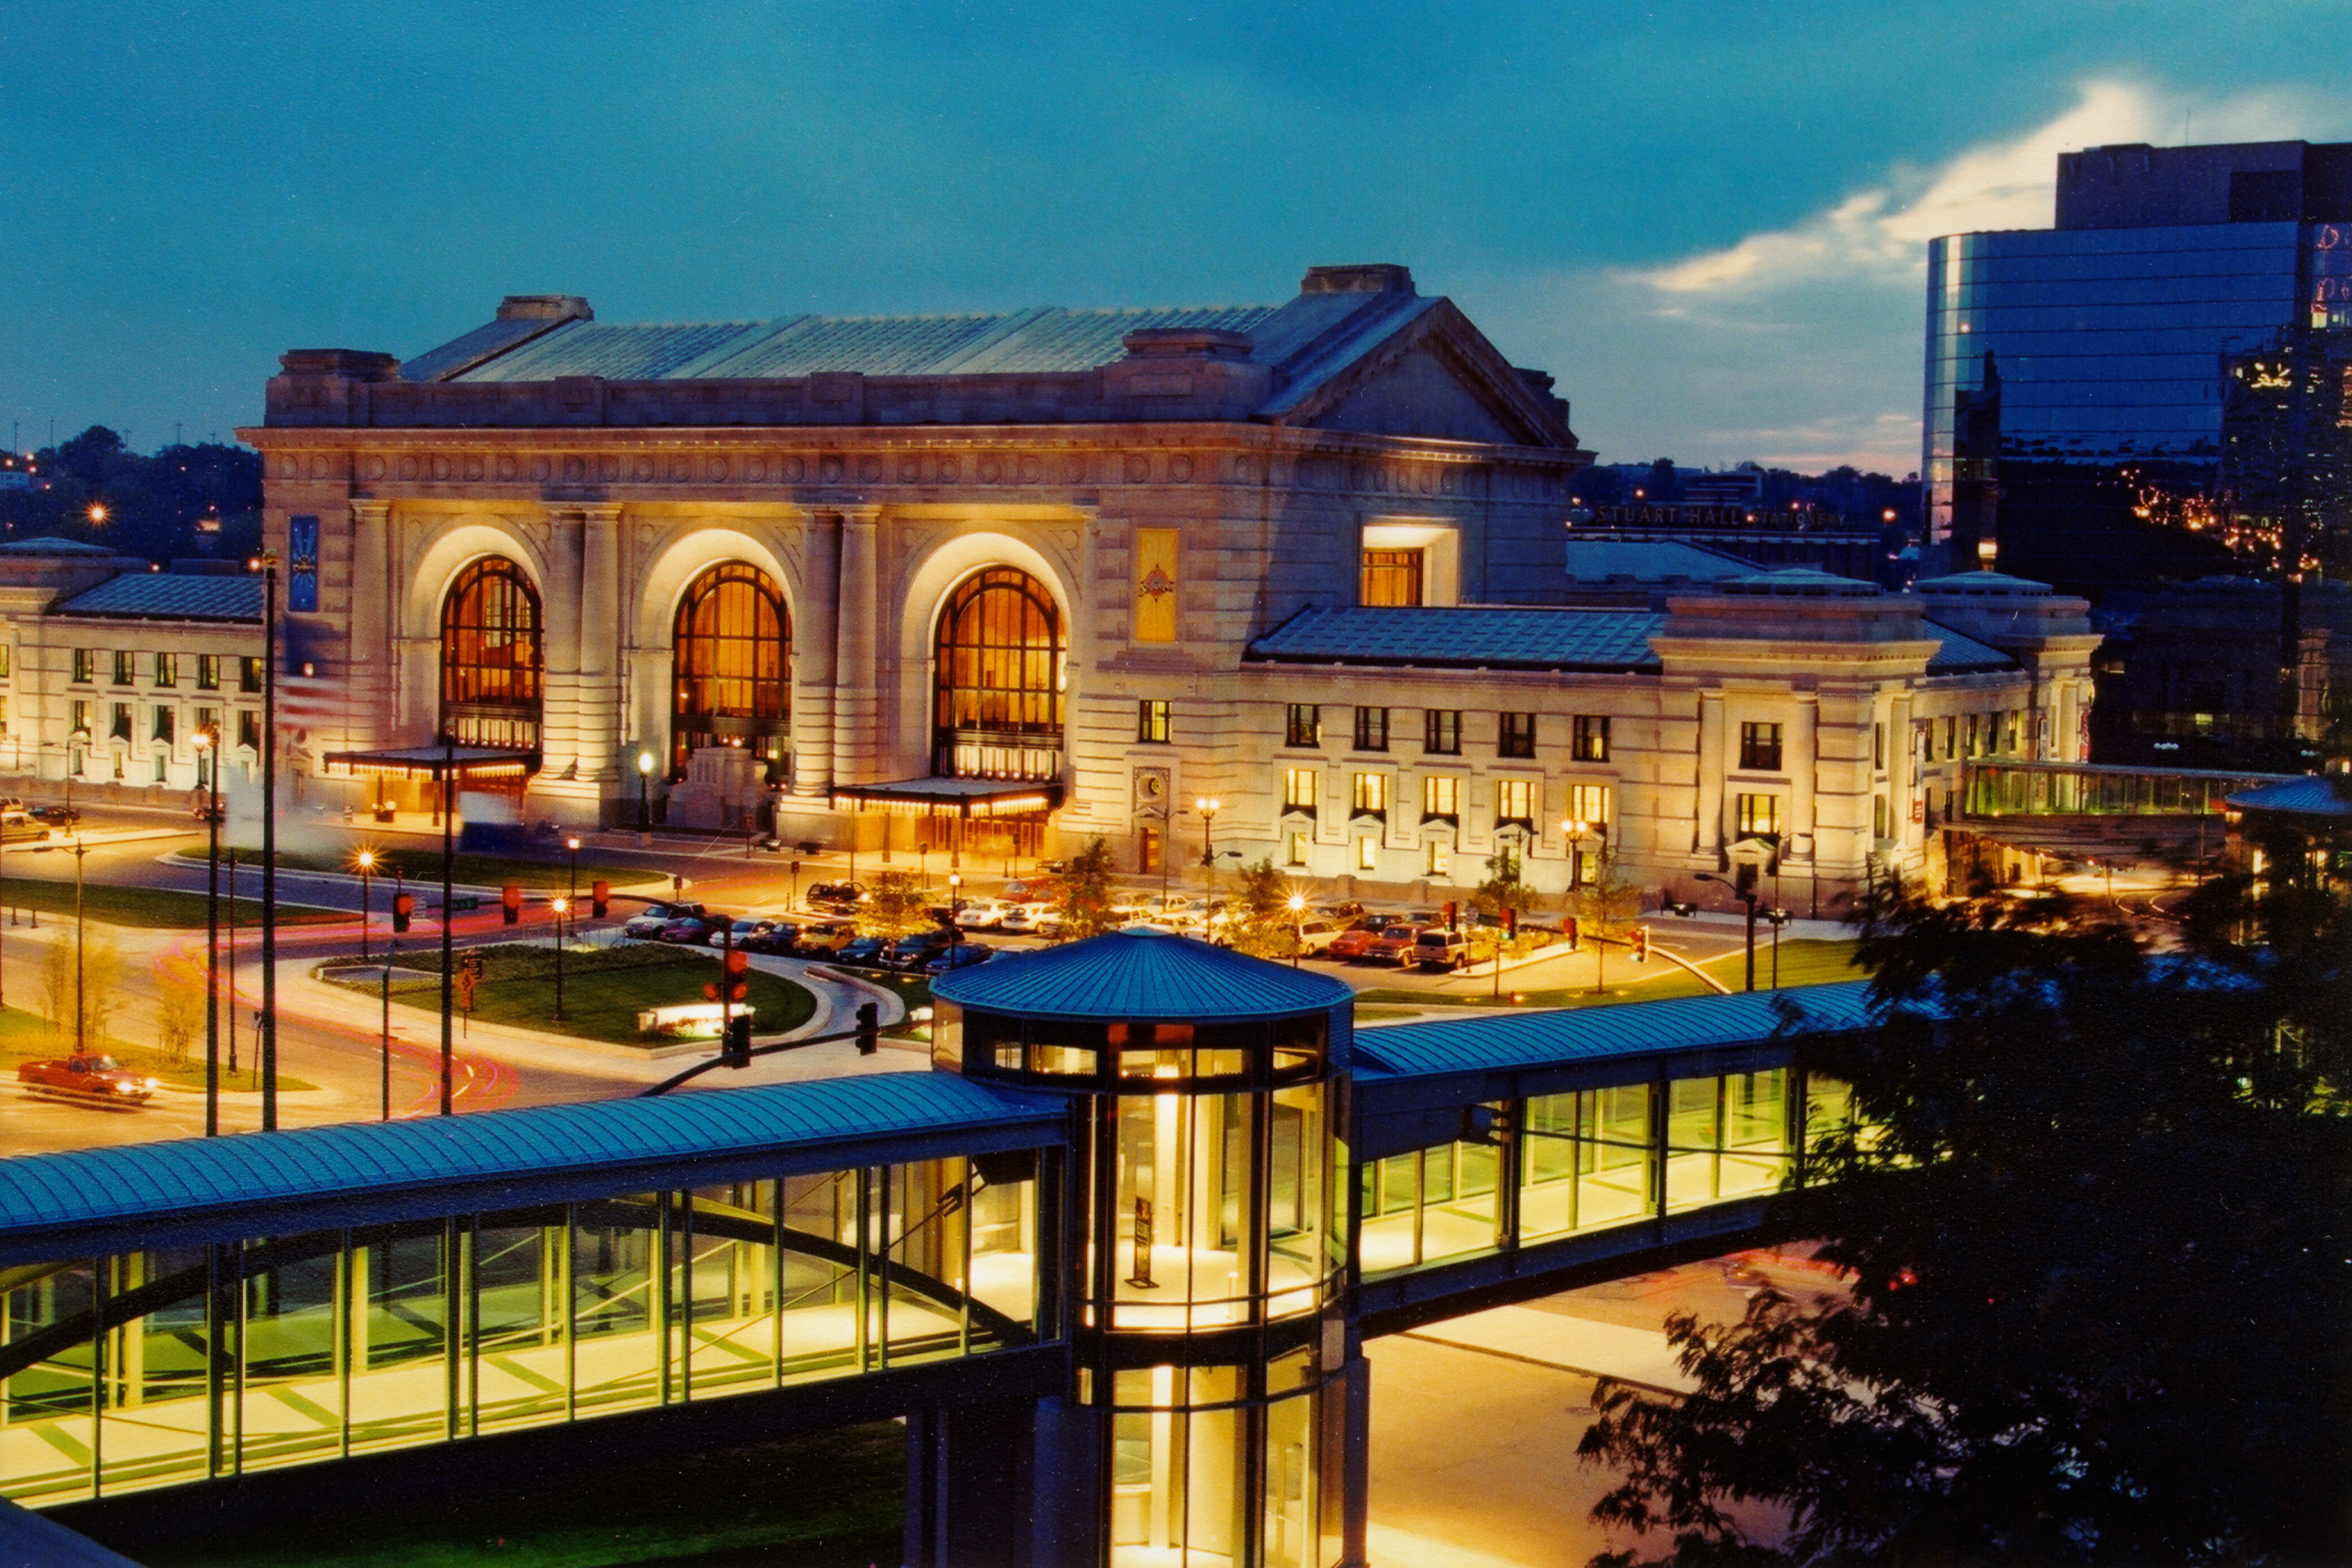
<point>1963,655</point>
<point>1476,636</point>
<point>169,597</point>
<point>1142,973</point>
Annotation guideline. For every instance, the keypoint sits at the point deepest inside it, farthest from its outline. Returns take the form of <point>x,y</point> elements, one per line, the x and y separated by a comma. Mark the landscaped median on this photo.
<point>1805,960</point>
<point>604,988</point>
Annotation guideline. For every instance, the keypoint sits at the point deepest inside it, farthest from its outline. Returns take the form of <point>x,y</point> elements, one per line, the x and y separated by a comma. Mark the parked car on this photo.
<point>915,950</point>
<point>647,923</point>
<point>690,929</point>
<point>58,815</point>
<point>839,896</point>
<point>1316,933</point>
<point>741,932</point>
<point>863,953</point>
<point>86,1079</point>
<point>1438,948</point>
<point>1393,945</point>
<point>1022,920</point>
<point>963,955</point>
<point>825,939</point>
<point>774,936</point>
<point>984,914</point>
<point>1356,939</point>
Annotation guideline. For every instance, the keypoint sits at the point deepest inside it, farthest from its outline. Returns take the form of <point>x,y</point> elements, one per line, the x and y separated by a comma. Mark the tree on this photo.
<point>1606,907</point>
<point>2096,1205</point>
<point>58,979</point>
<point>101,965</point>
<point>1085,895</point>
<point>176,1023</point>
<point>896,905</point>
<point>1260,923</point>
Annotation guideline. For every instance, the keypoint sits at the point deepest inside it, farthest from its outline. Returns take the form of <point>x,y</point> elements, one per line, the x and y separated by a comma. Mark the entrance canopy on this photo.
<point>436,762</point>
<point>962,798</point>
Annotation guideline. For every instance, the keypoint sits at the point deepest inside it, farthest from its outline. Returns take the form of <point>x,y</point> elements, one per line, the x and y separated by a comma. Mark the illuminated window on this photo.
<point>1368,854</point>
<point>1304,726</point>
<point>126,666</point>
<point>1440,858</point>
<point>1592,744</point>
<point>4,656</point>
<point>1440,731</point>
<point>1297,849</point>
<point>1515,801</point>
<point>1588,804</point>
<point>731,650</point>
<point>1371,794</point>
<point>1393,577</point>
<point>207,723</point>
<point>208,672</point>
<point>1300,787</point>
<point>85,664</point>
<point>81,717</point>
<point>1976,738</point>
<point>1759,748</point>
<point>1371,729</point>
<point>118,726</point>
<point>1878,816</point>
<point>167,670</point>
<point>1878,747</point>
<point>1441,797</point>
<point>1152,721</point>
<point>490,653</point>
<point>1759,815</point>
<point>999,709</point>
<point>1951,736</point>
<point>248,674</point>
<point>166,725</point>
<point>1514,735</point>
<point>248,729</point>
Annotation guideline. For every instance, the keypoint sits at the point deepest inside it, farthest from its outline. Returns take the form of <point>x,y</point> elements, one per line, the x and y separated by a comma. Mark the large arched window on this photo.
<point>490,657</point>
<point>732,644</point>
<point>999,709</point>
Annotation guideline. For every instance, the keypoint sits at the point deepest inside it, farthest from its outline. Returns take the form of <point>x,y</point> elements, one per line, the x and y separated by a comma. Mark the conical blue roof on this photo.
<point>1140,973</point>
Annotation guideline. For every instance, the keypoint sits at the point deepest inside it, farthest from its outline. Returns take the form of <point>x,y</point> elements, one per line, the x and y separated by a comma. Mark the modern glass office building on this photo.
<point>2113,340</point>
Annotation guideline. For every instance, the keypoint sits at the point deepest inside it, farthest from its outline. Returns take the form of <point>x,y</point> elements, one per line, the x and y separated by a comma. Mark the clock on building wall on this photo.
<point>1150,788</point>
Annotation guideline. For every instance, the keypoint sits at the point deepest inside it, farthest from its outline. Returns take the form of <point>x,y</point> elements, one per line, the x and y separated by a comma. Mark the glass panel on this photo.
<point>1756,1132</point>
<point>1691,1131</point>
<point>926,1257</point>
<point>519,1292</point>
<point>1296,1199</point>
<point>49,1439</point>
<point>1389,1230</point>
<point>1548,1166</point>
<point>821,1274</point>
<point>1289,1539</point>
<point>1003,1225</point>
<point>1214,1487</point>
<point>1613,1162</point>
<point>617,1359</point>
<point>1459,1213</point>
<point>401,1339</point>
<point>155,1428</point>
<point>730,1289</point>
<point>293,1396</point>
<point>1184,1257</point>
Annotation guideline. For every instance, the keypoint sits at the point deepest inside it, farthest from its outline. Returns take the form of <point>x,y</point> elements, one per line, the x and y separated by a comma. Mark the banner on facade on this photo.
<point>1155,585</point>
<point>302,564</point>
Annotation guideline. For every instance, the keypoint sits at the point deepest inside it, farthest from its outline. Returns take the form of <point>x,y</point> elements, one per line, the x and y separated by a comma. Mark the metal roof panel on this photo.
<point>1485,635</point>
<point>171,597</point>
<point>1143,972</point>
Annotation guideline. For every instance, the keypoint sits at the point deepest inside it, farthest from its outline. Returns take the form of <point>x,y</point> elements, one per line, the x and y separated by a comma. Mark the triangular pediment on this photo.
<point>1437,376</point>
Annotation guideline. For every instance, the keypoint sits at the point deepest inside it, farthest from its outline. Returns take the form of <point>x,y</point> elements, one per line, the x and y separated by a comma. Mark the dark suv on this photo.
<point>839,896</point>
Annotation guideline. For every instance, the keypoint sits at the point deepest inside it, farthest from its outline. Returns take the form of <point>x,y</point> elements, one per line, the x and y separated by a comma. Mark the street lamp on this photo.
<point>1297,926</point>
<point>559,906</point>
<point>209,762</point>
<point>573,845</point>
<point>1208,805</point>
<point>73,764</point>
<point>366,861</point>
<point>644,796</point>
<point>955,908</point>
<point>78,849</point>
<point>1746,896</point>
<point>266,1045</point>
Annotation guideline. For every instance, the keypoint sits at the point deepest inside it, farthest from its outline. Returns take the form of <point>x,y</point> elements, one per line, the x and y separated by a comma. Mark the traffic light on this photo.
<point>512,902</point>
<point>735,1050</point>
<point>1641,945</point>
<point>403,906</point>
<point>1568,928</point>
<point>869,1028</point>
<point>1450,910</point>
<point>738,964</point>
<point>600,899</point>
<point>1511,923</point>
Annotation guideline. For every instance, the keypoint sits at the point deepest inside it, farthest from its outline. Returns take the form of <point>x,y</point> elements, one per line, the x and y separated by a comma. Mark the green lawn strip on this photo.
<point>422,868</point>
<point>603,987</point>
<point>29,1038</point>
<point>163,908</point>
<point>1803,962</point>
<point>828,1500</point>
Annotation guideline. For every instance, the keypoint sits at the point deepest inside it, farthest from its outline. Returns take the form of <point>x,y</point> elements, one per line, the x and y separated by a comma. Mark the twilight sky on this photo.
<point>1705,219</point>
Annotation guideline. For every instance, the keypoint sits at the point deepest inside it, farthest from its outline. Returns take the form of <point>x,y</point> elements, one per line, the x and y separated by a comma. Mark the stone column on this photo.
<point>368,656</point>
<point>601,620</point>
<point>857,707</point>
<point>560,608</point>
<point>814,650</point>
<point>1708,830</point>
<point>1805,778</point>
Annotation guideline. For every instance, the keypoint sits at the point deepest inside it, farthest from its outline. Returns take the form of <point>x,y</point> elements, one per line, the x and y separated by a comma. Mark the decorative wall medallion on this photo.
<point>1241,471</point>
<point>1425,481</point>
<point>991,468</point>
<point>681,468</point>
<point>474,466</point>
<point>1074,470</point>
<point>372,468</point>
<point>575,469</point>
<point>1151,789</point>
<point>506,467</point>
<point>795,469</point>
<point>645,469</point>
<point>1180,468</point>
<point>407,469</point>
<point>540,470</point>
<point>909,471</point>
<point>1031,470</point>
<point>716,470</point>
<point>1450,481</point>
<point>829,469</point>
<point>870,471</point>
<point>1069,538</point>
<point>1138,468</point>
<point>951,470</point>
<point>755,468</point>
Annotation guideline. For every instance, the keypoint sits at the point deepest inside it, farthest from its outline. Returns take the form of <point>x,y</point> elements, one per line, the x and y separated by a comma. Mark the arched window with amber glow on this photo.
<point>491,652</point>
<point>732,646</point>
<point>999,708</point>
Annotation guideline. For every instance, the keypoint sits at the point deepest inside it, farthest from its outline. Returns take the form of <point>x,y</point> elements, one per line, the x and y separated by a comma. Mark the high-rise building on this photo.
<point>2113,335</point>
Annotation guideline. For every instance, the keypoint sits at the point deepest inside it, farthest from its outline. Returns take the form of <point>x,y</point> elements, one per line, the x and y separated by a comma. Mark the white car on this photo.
<point>1022,919</point>
<point>984,914</point>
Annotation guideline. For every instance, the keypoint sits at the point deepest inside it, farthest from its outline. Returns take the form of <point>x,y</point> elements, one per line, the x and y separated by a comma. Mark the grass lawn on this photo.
<point>27,1038</point>
<point>158,908</point>
<point>602,988</point>
<point>828,1500</point>
<point>422,867</point>
<point>1802,962</point>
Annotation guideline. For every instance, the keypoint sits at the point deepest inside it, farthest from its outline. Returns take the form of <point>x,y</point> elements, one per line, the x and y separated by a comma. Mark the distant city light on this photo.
<point>98,512</point>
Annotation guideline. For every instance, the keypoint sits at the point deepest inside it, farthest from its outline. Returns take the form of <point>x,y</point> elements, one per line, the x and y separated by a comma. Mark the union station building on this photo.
<point>1276,580</point>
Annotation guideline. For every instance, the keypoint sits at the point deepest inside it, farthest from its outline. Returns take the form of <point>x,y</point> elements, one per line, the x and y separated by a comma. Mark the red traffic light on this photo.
<point>739,991</point>
<point>512,902</point>
<point>1510,922</point>
<point>600,898</point>
<point>404,905</point>
<point>710,992</point>
<point>1452,910</point>
<point>737,960</point>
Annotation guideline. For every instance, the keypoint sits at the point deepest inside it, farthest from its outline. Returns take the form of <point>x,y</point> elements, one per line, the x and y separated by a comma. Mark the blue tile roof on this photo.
<point>51,544</point>
<point>44,1197</point>
<point>169,597</point>
<point>1464,638</point>
<point>1141,974</point>
<point>1651,561</point>
<point>1520,1041</point>
<point>2326,796</point>
<point>1963,655</point>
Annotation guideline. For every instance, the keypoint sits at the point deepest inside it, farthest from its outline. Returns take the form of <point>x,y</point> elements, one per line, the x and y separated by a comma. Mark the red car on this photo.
<point>1357,939</point>
<point>1393,945</point>
<point>89,1080</point>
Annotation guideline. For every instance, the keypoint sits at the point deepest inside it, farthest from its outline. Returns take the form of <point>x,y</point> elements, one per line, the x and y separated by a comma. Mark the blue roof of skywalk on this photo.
<point>1481,637</point>
<point>171,597</point>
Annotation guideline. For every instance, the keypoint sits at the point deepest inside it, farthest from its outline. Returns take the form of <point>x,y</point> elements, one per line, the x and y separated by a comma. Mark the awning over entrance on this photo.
<point>435,761</point>
<point>972,799</point>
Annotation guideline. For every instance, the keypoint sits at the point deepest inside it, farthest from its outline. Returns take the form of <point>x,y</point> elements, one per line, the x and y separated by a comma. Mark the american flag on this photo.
<point>310,688</point>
